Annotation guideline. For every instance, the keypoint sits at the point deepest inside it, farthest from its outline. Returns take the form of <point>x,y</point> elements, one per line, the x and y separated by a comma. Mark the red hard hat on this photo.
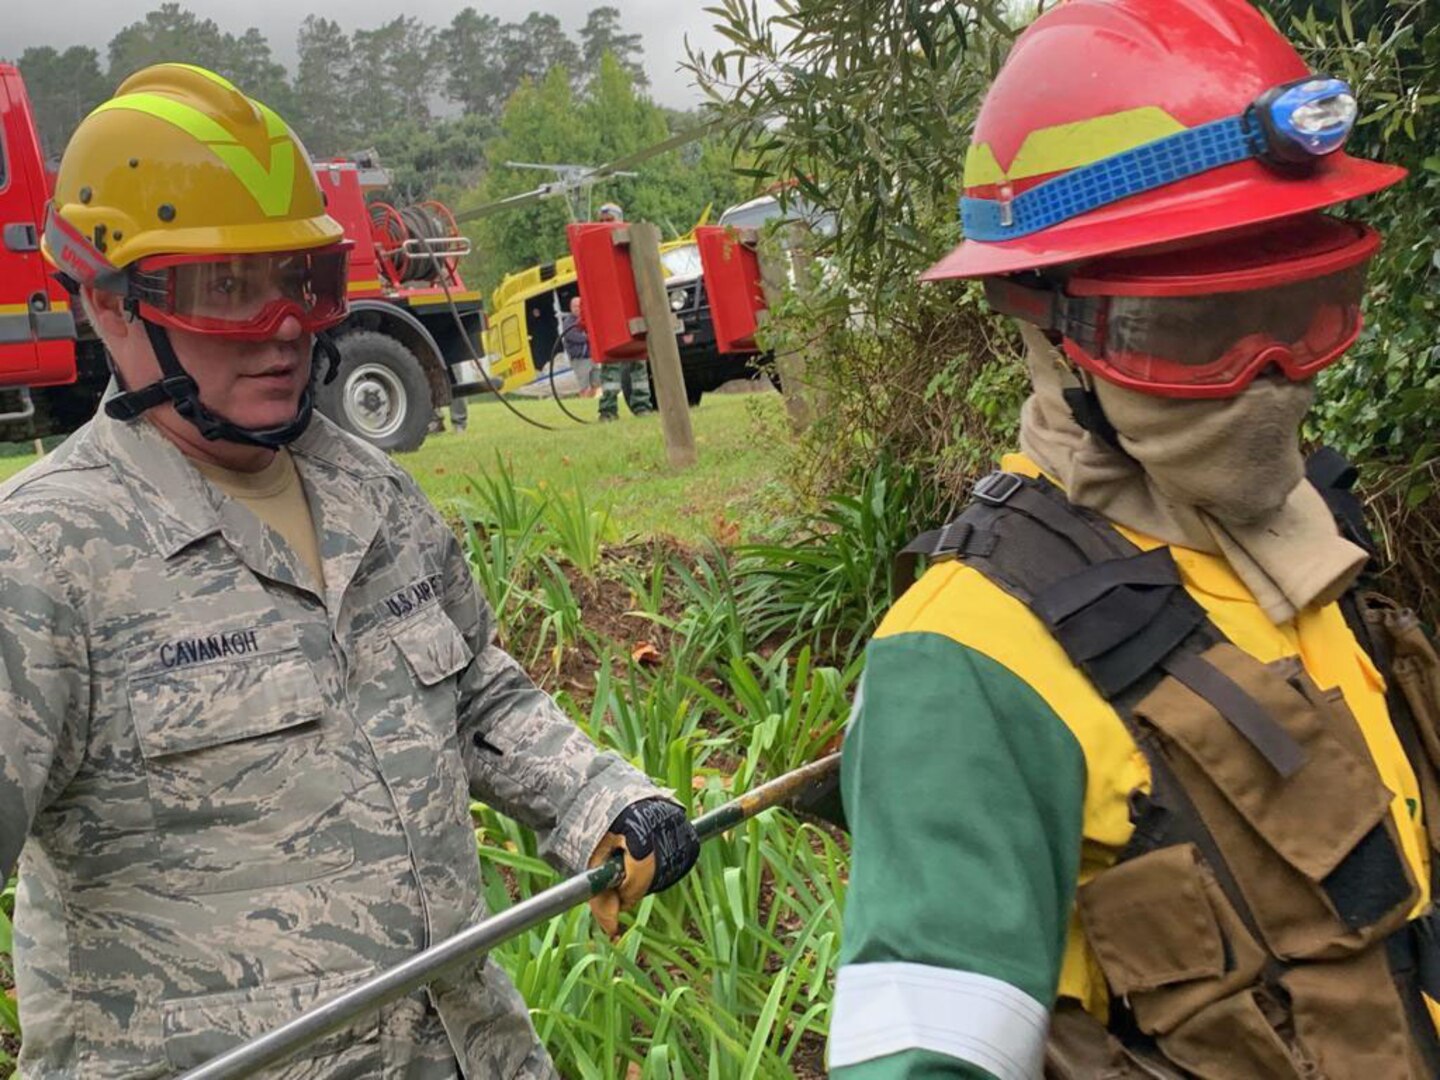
<point>1091,79</point>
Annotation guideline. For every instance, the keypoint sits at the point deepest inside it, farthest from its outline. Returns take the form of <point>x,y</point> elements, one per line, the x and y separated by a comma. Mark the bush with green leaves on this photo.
<point>1381,405</point>
<point>730,974</point>
<point>866,107</point>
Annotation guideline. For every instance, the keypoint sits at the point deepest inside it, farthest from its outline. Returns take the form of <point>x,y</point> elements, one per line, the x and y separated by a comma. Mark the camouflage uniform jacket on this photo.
<point>236,797</point>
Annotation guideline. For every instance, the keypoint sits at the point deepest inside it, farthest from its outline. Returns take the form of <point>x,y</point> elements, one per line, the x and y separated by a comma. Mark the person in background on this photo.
<point>577,347</point>
<point>630,378</point>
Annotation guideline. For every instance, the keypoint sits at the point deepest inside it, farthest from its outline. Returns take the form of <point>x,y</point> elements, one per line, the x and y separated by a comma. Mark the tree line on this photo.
<point>443,107</point>
<point>348,86</point>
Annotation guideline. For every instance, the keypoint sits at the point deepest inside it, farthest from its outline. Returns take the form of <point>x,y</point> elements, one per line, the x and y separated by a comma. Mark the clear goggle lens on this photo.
<point>1214,345</point>
<point>246,296</point>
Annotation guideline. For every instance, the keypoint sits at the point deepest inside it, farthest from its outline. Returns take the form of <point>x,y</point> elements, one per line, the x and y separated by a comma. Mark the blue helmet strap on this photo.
<point>1131,172</point>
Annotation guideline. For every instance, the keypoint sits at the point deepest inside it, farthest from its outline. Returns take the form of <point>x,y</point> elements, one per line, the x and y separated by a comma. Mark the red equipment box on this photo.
<point>732,285</point>
<point>607,288</point>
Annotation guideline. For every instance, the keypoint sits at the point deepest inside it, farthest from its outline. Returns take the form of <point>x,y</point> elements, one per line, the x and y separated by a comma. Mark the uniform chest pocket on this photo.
<point>433,647</point>
<point>244,792</point>
<point>419,668</point>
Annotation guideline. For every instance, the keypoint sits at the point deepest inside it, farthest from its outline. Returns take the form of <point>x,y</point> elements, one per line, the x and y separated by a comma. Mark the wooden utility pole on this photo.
<point>660,331</point>
<point>778,273</point>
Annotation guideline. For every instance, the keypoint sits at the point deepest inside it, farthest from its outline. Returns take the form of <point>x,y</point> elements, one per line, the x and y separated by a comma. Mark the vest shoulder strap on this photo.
<point>1123,617</point>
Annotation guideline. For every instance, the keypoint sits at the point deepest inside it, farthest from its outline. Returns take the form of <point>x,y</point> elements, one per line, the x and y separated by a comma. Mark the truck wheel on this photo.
<point>381,394</point>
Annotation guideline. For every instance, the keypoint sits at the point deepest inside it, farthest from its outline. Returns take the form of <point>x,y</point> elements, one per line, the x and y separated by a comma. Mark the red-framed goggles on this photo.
<point>1202,322</point>
<point>244,297</point>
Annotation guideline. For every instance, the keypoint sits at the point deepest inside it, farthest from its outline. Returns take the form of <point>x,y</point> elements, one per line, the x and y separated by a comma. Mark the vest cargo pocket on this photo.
<point>1166,938</point>
<point>1231,1039</point>
<point>1080,1048</point>
<point>1339,881</point>
<point>1349,1018</point>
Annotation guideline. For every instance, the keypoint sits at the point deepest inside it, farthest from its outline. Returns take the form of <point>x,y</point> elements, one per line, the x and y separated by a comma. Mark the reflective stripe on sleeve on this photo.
<point>887,1008</point>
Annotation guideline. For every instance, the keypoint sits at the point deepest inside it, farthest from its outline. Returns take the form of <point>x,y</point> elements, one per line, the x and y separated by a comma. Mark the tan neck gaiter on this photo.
<point>1224,476</point>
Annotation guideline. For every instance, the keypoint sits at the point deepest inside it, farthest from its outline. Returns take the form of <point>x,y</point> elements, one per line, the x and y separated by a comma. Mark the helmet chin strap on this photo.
<point>1085,406</point>
<point>177,387</point>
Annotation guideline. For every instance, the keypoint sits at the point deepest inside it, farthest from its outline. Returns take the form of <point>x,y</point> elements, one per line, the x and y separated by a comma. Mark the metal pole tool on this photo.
<point>799,789</point>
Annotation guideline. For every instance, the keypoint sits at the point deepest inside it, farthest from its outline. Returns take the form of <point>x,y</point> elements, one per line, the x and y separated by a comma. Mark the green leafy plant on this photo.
<point>558,626</point>
<point>831,581</point>
<point>579,530</point>
<point>9,1007</point>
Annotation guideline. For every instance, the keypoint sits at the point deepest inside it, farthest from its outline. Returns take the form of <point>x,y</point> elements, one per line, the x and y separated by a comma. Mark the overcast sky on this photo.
<point>663,23</point>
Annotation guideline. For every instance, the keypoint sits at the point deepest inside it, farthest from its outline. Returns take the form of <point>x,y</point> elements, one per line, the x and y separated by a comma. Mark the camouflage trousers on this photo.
<point>630,377</point>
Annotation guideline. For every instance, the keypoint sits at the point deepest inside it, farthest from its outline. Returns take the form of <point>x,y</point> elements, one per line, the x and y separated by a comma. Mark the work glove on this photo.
<point>660,847</point>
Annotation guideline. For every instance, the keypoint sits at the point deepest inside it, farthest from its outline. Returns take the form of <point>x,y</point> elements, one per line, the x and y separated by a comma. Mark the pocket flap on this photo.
<point>432,645</point>
<point>1314,817</point>
<point>1150,924</point>
<point>210,689</point>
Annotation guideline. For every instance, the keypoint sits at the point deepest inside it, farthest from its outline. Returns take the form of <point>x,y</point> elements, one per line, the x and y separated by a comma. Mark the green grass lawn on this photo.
<point>739,444</point>
<point>740,441</point>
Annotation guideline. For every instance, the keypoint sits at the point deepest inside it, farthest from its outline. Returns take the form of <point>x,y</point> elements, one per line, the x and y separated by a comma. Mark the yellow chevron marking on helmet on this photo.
<point>1068,146</point>
<point>272,188</point>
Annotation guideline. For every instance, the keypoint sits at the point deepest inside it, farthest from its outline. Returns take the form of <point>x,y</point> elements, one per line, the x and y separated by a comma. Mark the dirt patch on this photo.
<point>757,385</point>
<point>809,1060</point>
<point>611,613</point>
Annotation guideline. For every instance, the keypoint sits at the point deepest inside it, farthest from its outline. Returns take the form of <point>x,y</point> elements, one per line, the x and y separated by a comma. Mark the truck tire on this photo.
<point>380,394</point>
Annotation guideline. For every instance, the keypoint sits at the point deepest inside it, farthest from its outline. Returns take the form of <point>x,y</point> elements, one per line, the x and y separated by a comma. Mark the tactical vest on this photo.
<point>1256,924</point>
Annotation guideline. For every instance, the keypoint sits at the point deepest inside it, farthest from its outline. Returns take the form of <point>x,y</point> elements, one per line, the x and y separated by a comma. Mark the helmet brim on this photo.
<point>296,235</point>
<point>1244,194</point>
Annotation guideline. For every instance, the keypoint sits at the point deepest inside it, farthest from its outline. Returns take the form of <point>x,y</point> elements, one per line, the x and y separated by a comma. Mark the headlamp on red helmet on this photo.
<point>1288,126</point>
<point>243,297</point>
<point>1203,322</point>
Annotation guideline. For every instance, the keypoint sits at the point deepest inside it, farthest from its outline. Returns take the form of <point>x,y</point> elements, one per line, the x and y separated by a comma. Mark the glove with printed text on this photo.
<point>660,847</point>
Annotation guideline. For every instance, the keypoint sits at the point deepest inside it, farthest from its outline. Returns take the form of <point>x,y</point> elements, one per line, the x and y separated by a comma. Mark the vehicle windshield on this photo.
<point>682,262</point>
<point>758,212</point>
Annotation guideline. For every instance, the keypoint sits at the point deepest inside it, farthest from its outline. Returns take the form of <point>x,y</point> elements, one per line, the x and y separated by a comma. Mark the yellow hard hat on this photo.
<point>181,162</point>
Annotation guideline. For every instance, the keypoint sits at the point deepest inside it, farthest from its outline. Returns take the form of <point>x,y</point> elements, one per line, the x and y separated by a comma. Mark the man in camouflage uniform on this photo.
<point>630,378</point>
<point>239,754</point>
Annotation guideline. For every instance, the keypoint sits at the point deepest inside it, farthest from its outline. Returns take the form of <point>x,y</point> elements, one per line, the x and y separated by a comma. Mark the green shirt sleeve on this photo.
<point>964,794</point>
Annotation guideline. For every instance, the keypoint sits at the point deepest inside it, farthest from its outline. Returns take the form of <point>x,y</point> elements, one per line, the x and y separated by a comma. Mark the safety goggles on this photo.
<point>1204,322</point>
<point>244,297</point>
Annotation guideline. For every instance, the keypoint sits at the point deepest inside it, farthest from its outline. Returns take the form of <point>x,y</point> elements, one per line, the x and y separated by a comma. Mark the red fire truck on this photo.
<point>407,348</point>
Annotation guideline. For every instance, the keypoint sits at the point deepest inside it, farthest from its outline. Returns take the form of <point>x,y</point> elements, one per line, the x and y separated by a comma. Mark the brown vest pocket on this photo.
<point>1166,938</point>
<point>1231,1039</point>
<point>1339,881</point>
<point>1349,1018</point>
<point>1079,1048</point>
